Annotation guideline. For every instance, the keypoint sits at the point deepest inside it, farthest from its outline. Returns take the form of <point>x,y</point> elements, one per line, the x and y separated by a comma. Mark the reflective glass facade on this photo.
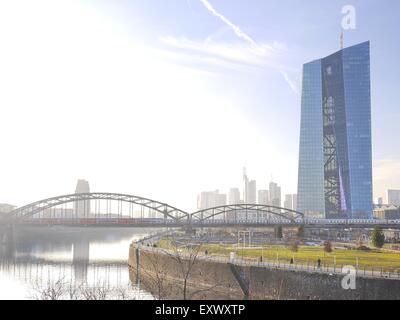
<point>335,160</point>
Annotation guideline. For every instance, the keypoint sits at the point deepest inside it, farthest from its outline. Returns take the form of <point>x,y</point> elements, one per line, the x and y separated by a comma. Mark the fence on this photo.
<point>279,265</point>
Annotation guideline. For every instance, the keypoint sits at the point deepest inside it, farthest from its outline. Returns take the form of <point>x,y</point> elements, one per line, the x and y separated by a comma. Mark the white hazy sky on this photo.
<point>99,91</point>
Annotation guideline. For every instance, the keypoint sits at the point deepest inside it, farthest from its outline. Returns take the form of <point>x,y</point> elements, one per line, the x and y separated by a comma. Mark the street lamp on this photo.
<point>262,251</point>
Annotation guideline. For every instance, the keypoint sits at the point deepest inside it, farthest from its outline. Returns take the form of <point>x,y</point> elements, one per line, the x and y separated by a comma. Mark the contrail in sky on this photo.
<point>291,84</point>
<point>234,27</point>
<point>245,37</point>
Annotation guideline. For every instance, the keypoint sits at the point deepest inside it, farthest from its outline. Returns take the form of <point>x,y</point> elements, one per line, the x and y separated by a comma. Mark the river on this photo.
<point>37,258</point>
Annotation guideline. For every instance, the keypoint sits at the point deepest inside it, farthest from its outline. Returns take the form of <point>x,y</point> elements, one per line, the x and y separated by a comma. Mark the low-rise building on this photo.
<point>6,208</point>
<point>210,199</point>
<point>387,212</point>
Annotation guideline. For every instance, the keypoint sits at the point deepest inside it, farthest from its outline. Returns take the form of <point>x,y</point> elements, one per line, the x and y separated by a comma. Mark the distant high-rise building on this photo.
<point>275,194</point>
<point>245,185</point>
<point>252,192</point>
<point>249,189</point>
<point>205,200</point>
<point>290,202</point>
<point>263,197</point>
<point>211,199</point>
<point>394,197</point>
<point>221,200</point>
<point>287,204</point>
<point>82,207</point>
<point>335,159</point>
<point>234,196</point>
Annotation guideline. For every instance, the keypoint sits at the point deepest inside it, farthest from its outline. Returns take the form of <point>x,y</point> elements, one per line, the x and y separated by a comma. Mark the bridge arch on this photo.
<point>39,206</point>
<point>244,209</point>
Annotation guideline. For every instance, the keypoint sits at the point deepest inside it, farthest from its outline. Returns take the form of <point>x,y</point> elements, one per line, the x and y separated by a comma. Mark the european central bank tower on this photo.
<point>335,160</point>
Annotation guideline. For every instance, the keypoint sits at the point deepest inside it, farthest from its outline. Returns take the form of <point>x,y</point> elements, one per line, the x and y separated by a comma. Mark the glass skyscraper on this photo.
<point>335,160</point>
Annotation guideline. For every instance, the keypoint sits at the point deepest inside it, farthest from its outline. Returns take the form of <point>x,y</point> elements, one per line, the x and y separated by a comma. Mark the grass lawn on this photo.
<point>376,259</point>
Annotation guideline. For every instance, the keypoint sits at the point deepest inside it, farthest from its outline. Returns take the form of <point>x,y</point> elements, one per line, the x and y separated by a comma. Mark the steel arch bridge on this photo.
<point>34,208</point>
<point>39,212</point>
<point>245,213</point>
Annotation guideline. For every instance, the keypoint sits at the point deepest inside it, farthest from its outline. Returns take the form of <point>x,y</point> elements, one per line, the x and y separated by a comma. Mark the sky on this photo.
<point>165,99</point>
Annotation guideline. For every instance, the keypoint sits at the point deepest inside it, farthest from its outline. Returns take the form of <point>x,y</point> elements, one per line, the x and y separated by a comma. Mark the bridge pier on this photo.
<point>189,230</point>
<point>7,243</point>
<point>6,235</point>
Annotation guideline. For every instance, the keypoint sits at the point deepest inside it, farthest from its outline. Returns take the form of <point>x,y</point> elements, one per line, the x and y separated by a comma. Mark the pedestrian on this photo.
<point>291,260</point>
<point>319,263</point>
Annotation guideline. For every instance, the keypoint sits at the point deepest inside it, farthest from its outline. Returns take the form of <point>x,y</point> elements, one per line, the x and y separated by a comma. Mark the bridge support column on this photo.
<point>7,243</point>
<point>165,216</point>
<point>189,230</point>
<point>6,235</point>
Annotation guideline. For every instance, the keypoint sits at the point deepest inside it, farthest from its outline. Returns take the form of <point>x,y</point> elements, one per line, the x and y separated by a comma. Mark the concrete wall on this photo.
<point>206,281</point>
<point>265,283</point>
<point>212,280</point>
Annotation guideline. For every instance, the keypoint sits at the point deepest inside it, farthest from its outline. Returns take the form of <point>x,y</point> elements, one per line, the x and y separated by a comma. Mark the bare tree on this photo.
<point>51,291</point>
<point>97,292</point>
<point>185,254</point>
<point>155,274</point>
<point>74,291</point>
<point>122,293</point>
<point>61,290</point>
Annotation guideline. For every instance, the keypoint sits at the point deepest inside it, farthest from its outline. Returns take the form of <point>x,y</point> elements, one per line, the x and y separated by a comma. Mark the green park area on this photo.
<point>368,258</point>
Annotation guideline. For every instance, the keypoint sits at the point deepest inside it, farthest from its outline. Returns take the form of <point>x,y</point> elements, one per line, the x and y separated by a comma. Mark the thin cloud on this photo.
<point>233,52</point>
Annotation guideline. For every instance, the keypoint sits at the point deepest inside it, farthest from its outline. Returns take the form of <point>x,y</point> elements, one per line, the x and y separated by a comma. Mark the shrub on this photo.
<point>378,238</point>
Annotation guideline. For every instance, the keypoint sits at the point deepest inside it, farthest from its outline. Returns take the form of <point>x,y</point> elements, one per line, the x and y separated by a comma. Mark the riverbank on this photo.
<point>213,277</point>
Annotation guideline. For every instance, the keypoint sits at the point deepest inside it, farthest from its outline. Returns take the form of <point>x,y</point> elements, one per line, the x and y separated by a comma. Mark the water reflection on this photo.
<point>91,256</point>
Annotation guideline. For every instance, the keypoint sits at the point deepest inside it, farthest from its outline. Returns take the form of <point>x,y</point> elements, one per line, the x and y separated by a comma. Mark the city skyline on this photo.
<point>241,63</point>
<point>248,194</point>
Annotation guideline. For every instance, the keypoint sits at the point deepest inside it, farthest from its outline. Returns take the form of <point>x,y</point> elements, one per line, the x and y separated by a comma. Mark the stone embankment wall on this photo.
<point>161,274</point>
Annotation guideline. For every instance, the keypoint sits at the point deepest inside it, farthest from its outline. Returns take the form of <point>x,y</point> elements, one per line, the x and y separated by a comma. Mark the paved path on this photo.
<point>374,274</point>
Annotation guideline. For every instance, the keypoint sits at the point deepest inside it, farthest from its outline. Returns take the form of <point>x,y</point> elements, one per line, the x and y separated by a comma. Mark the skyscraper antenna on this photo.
<point>341,40</point>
